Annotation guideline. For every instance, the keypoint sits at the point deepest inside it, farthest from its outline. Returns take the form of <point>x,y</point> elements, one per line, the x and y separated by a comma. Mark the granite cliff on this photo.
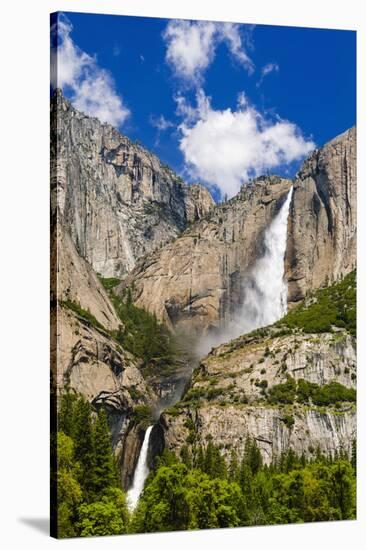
<point>118,200</point>
<point>322,222</point>
<point>194,284</point>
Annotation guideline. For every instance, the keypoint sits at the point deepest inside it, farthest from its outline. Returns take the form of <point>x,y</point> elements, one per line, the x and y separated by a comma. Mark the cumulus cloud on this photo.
<point>191,47</point>
<point>225,148</point>
<point>91,88</point>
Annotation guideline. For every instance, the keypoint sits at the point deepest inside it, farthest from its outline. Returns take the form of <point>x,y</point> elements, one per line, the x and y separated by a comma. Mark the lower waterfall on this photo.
<point>264,288</point>
<point>141,473</point>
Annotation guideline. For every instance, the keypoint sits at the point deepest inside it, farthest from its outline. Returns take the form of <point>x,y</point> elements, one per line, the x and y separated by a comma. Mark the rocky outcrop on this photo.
<point>229,427</point>
<point>322,222</point>
<point>75,280</point>
<point>228,398</point>
<point>91,363</point>
<point>118,201</point>
<point>194,284</point>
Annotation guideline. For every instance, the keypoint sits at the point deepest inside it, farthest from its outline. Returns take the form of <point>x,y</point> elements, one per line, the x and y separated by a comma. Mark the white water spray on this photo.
<point>141,473</point>
<point>264,289</point>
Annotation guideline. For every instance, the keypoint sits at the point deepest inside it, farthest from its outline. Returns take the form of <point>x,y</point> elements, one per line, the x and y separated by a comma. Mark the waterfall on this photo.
<point>141,473</point>
<point>264,287</point>
<point>265,290</point>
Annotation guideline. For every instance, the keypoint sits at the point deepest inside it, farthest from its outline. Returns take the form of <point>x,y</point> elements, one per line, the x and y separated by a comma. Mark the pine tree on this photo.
<point>354,456</point>
<point>233,467</point>
<point>252,455</point>
<point>66,414</point>
<point>200,459</point>
<point>84,446</point>
<point>185,456</point>
<point>105,468</point>
<point>209,462</point>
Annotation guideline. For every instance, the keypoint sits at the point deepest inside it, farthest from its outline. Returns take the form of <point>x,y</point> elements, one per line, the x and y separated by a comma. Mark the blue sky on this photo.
<point>220,103</point>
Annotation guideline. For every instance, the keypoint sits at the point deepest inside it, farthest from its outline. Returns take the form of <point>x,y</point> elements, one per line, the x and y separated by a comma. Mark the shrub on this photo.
<point>331,306</point>
<point>283,393</point>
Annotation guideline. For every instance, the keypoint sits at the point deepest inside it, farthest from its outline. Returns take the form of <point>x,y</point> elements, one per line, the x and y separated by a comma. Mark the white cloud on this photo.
<point>270,68</point>
<point>226,148</point>
<point>160,122</point>
<point>267,69</point>
<point>91,87</point>
<point>191,47</point>
<point>229,32</point>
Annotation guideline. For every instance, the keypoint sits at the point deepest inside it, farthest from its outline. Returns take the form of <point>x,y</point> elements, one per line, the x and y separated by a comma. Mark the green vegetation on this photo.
<point>200,490</point>
<point>109,283</point>
<point>140,332</point>
<point>309,393</point>
<point>89,501</point>
<point>142,415</point>
<point>329,394</point>
<point>84,313</point>
<point>334,306</point>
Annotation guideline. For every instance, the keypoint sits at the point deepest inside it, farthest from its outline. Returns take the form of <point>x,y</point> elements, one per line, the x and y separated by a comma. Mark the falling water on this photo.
<point>264,288</point>
<point>141,473</point>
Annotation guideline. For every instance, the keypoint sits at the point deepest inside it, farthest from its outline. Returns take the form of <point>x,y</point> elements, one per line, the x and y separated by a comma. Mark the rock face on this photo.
<point>194,284</point>
<point>118,201</point>
<point>322,223</point>
<point>227,400</point>
<point>229,427</point>
<point>76,280</point>
<point>92,364</point>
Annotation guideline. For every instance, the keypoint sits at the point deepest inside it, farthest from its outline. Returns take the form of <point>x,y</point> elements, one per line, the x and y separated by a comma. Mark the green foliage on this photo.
<point>89,501</point>
<point>288,420</point>
<point>179,498</point>
<point>198,494</point>
<point>199,490</point>
<point>109,283</point>
<point>140,332</point>
<point>283,393</point>
<point>306,392</point>
<point>83,430</point>
<point>84,313</point>
<point>69,493</point>
<point>142,414</point>
<point>107,516</point>
<point>330,307</point>
<point>329,394</point>
<point>105,467</point>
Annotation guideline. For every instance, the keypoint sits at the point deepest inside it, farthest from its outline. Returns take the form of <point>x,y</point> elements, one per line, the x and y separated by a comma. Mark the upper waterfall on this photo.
<point>141,473</point>
<point>264,288</point>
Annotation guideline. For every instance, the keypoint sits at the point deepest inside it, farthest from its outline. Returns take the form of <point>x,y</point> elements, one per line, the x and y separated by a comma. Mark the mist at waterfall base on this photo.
<point>264,288</point>
<point>141,473</point>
